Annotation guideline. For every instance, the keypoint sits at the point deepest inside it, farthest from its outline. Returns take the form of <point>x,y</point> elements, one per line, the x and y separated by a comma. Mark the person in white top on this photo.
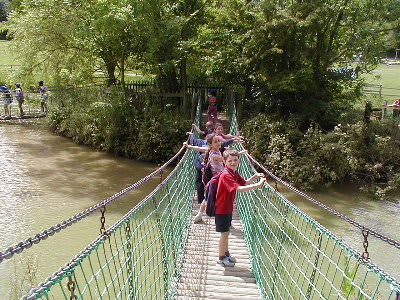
<point>43,95</point>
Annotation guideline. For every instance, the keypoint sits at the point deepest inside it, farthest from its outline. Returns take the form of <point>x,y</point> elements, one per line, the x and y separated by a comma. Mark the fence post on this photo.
<point>384,111</point>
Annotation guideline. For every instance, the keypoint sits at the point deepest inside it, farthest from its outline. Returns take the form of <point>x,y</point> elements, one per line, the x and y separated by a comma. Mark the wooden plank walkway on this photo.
<point>17,117</point>
<point>202,277</point>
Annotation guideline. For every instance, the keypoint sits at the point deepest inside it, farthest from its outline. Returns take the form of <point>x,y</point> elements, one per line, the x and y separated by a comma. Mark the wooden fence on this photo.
<point>381,91</point>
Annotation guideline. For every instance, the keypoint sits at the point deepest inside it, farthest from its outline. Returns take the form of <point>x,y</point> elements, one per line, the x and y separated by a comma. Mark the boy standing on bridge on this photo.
<point>230,181</point>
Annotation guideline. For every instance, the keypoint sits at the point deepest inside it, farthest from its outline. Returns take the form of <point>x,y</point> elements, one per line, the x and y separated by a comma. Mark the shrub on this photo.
<point>160,136</point>
<point>364,154</point>
<point>111,123</point>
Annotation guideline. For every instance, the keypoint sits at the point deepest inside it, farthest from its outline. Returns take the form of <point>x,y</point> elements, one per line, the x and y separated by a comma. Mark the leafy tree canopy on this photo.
<point>282,52</point>
<point>288,49</point>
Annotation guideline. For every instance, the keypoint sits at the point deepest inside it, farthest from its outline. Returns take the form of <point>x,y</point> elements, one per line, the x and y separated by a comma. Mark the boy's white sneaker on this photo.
<point>226,262</point>
<point>198,218</point>
<point>231,258</point>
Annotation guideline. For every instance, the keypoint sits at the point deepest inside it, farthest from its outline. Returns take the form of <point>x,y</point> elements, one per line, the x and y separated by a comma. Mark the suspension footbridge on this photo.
<point>156,252</point>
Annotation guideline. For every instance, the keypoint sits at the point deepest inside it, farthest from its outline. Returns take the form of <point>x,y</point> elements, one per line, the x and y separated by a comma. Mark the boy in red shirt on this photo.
<point>230,181</point>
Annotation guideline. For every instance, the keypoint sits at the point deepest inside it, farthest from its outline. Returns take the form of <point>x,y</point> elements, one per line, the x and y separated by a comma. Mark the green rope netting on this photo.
<point>292,256</point>
<point>141,255</point>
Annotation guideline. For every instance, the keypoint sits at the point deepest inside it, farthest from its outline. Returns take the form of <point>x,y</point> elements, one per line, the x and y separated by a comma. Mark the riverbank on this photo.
<point>140,128</point>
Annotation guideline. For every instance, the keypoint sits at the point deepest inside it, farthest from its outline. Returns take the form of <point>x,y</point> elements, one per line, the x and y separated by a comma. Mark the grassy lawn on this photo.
<point>388,78</point>
<point>7,62</point>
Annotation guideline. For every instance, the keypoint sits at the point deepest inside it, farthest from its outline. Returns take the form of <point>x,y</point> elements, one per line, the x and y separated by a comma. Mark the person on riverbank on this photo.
<point>43,96</point>
<point>19,96</point>
<point>395,104</point>
<point>7,99</point>
<point>212,111</point>
<point>230,181</point>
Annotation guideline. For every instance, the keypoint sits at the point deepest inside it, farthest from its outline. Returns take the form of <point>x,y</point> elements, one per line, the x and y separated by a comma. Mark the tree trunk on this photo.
<point>111,65</point>
<point>122,71</point>
<point>185,99</point>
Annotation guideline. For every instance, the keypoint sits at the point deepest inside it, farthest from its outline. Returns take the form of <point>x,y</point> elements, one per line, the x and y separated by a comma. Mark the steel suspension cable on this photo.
<point>378,235</point>
<point>27,243</point>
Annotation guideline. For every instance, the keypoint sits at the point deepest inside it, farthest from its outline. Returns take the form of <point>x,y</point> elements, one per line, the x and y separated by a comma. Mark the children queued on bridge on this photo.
<point>218,161</point>
<point>18,94</point>
<point>213,163</point>
<point>198,163</point>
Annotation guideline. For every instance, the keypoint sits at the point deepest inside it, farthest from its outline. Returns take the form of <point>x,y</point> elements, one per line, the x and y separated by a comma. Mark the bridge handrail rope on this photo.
<point>378,235</point>
<point>356,253</point>
<point>382,275</point>
<point>29,242</point>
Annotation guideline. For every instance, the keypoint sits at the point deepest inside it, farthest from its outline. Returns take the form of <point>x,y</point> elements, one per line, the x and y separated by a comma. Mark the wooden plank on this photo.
<point>202,277</point>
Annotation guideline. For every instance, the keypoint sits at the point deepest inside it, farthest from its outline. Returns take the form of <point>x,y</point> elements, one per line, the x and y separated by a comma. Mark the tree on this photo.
<point>74,37</point>
<point>171,24</point>
<point>111,30</point>
<point>392,40</point>
<point>69,40</point>
<point>287,48</point>
<point>4,8</point>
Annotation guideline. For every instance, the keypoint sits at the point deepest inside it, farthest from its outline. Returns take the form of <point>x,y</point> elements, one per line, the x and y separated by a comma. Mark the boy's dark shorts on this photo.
<point>223,222</point>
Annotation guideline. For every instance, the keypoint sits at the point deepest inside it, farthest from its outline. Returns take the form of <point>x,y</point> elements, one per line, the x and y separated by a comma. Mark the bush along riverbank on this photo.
<point>365,154</point>
<point>109,122</point>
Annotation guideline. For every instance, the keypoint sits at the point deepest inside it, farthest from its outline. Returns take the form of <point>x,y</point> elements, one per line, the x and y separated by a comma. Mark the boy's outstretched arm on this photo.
<point>255,176</point>
<point>244,188</point>
<point>198,129</point>
<point>230,136</point>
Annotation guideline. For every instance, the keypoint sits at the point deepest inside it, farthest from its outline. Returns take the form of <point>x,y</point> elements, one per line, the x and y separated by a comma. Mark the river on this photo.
<point>46,179</point>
